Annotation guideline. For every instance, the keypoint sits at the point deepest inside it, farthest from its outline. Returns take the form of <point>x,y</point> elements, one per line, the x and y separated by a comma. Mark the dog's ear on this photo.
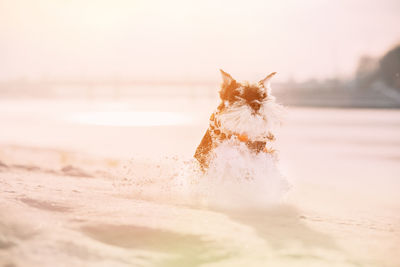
<point>228,87</point>
<point>266,83</point>
<point>226,79</point>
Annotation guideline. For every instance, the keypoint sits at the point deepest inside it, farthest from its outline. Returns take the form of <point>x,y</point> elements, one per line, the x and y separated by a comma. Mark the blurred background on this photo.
<point>138,67</point>
<point>340,54</point>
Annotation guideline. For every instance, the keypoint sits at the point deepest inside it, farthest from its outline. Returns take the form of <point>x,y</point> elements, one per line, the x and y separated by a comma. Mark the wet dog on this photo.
<point>247,115</point>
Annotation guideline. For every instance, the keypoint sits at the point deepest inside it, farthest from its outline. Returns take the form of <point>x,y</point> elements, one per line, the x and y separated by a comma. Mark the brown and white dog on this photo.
<point>247,114</point>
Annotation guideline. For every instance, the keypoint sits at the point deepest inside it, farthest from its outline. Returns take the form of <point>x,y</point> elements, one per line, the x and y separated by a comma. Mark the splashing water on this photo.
<point>239,177</point>
<point>236,177</point>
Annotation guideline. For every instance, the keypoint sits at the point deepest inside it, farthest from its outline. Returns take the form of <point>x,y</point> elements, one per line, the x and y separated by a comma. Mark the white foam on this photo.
<point>236,178</point>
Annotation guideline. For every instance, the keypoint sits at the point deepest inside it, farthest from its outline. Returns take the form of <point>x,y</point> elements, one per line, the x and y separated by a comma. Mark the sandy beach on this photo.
<point>76,193</point>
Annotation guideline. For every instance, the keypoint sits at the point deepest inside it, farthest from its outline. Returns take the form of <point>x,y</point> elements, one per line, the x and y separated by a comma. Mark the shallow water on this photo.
<point>89,195</point>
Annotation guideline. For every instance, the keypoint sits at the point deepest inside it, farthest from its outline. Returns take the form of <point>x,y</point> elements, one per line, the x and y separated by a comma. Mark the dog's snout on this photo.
<point>255,105</point>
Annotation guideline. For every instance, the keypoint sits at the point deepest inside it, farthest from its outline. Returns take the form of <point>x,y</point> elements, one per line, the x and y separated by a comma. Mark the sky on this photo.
<point>190,40</point>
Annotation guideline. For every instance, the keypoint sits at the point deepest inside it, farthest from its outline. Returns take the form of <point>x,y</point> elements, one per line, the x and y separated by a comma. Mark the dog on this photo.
<point>247,114</point>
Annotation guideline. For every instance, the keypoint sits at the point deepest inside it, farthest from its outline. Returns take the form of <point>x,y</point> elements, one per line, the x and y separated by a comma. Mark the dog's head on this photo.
<point>248,108</point>
<point>252,95</point>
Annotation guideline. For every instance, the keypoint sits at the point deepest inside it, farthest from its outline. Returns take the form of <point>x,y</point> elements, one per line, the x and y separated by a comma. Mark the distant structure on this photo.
<point>389,69</point>
<point>366,72</point>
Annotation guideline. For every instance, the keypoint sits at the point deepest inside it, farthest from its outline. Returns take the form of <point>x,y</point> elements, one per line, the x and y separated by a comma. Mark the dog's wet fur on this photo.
<point>243,110</point>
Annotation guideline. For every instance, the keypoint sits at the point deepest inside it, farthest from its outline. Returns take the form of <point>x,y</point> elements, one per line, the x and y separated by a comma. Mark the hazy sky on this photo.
<point>177,40</point>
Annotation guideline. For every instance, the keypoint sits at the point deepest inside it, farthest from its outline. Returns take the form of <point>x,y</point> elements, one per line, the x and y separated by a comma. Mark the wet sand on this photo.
<point>75,203</point>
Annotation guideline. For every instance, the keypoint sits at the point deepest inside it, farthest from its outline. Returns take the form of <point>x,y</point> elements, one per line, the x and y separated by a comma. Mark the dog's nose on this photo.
<point>255,106</point>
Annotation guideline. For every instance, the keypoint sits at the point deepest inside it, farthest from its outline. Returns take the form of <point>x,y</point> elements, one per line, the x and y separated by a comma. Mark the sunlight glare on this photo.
<point>131,118</point>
